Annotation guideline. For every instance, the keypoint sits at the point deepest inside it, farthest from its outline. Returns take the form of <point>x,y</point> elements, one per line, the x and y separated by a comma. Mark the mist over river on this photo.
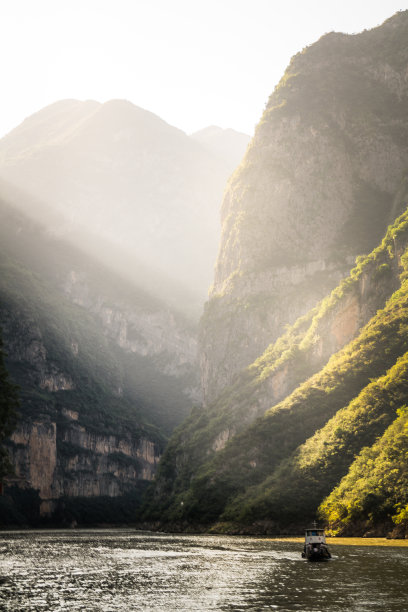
<point>109,570</point>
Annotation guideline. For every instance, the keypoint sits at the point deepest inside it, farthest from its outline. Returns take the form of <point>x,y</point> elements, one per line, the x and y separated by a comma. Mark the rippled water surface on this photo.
<point>128,570</point>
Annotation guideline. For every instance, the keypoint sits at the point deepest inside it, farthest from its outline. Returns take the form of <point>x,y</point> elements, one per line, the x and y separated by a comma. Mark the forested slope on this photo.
<point>274,474</point>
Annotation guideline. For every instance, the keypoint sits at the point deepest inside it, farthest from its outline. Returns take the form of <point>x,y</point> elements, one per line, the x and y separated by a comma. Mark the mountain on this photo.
<point>105,372</point>
<point>302,395</point>
<point>227,144</point>
<point>223,461</point>
<point>316,188</point>
<point>137,193</point>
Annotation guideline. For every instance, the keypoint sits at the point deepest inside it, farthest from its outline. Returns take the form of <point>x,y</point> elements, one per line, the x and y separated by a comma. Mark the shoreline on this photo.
<point>348,541</point>
<point>331,541</point>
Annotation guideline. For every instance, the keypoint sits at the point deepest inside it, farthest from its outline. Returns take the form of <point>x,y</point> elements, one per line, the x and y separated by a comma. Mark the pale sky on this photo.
<point>192,62</point>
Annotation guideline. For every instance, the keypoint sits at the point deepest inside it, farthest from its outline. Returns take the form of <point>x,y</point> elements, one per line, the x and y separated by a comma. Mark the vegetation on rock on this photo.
<point>262,474</point>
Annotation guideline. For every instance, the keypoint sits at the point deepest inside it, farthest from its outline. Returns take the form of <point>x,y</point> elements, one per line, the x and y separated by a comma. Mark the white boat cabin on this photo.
<point>315,536</point>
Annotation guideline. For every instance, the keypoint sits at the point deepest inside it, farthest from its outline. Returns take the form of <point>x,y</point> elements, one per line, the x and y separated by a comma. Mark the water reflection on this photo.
<point>127,570</point>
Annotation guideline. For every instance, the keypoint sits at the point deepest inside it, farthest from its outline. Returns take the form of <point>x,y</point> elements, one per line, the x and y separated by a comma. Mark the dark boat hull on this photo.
<point>317,556</point>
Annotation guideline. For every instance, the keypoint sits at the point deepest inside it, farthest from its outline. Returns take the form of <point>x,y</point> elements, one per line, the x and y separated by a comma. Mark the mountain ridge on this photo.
<point>119,174</point>
<point>315,189</point>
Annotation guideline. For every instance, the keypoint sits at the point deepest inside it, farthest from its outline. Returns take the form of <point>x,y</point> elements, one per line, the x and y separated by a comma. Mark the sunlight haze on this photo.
<point>193,63</point>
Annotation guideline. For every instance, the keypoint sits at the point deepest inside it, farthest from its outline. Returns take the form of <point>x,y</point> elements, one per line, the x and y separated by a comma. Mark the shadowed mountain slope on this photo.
<point>105,372</point>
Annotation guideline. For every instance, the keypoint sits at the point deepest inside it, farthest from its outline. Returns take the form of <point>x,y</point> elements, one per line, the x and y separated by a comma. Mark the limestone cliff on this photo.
<point>105,374</point>
<point>73,438</point>
<point>153,330</point>
<point>64,459</point>
<point>322,181</point>
<point>155,345</point>
<point>316,188</point>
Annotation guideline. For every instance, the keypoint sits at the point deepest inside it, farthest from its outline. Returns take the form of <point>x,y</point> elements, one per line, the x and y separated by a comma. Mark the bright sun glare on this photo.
<point>192,62</point>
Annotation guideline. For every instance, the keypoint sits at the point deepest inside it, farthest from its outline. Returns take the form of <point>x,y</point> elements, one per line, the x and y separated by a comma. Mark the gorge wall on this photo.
<point>223,432</point>
<point>73,438</point>
<point>154,330</point>
<point>64,459</point>
<point>105,370</point>
<point>302,395</point>
<point>316,188</point>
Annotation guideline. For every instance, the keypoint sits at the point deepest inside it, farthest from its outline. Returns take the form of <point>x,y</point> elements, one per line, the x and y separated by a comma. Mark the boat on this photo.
<point>315,548</point>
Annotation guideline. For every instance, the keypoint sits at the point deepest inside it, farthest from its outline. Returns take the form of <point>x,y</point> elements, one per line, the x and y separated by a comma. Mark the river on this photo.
<point>109,570</point>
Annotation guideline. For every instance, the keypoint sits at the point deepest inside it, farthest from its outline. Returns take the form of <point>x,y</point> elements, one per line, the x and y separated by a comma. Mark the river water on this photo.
<point>109,570</point>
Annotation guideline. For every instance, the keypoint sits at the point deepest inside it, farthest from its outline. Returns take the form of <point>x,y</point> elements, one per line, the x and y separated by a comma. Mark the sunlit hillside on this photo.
<point>323,395</point>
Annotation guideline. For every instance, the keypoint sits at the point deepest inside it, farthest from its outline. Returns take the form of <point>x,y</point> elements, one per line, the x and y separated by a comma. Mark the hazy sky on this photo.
<point>192,62</point>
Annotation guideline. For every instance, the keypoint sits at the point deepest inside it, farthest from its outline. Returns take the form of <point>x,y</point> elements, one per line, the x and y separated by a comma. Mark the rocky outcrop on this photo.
<point>90,424</point>
<point>26,346</point>
<point>65,459</point>
<point>153,331</point>
<point>316,188</point>
<point>33,451</point>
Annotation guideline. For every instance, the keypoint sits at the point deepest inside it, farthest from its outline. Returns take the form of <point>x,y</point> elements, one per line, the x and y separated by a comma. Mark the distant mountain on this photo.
<point>136,192</point>
<point>227,144</point>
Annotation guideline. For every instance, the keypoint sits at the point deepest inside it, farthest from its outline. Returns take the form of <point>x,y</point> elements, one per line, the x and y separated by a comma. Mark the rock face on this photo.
<point>300,353</point>
<point>316,188</point>
<point>290,404</point>
<point>154,331</point>
<point>65,459</point>
<point>153,338</point>
<point>138,193</point>
<point>61,452</point>
<point>105,374</point>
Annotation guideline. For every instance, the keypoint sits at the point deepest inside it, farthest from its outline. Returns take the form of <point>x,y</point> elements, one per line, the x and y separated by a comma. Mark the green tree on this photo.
<point>9,403</point>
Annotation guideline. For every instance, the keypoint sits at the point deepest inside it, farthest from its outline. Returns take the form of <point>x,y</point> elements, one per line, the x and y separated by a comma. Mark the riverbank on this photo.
<point>349,541</point>
<point>136,529</point>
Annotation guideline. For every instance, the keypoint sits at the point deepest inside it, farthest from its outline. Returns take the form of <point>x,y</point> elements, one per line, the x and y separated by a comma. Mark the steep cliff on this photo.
<point>217,454</point>
<point>322,180</point>
<point>105,373</point>
<point>82,432</point>
<point>59,458</point>
<point>316,188</point>
<point>154,339</point>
